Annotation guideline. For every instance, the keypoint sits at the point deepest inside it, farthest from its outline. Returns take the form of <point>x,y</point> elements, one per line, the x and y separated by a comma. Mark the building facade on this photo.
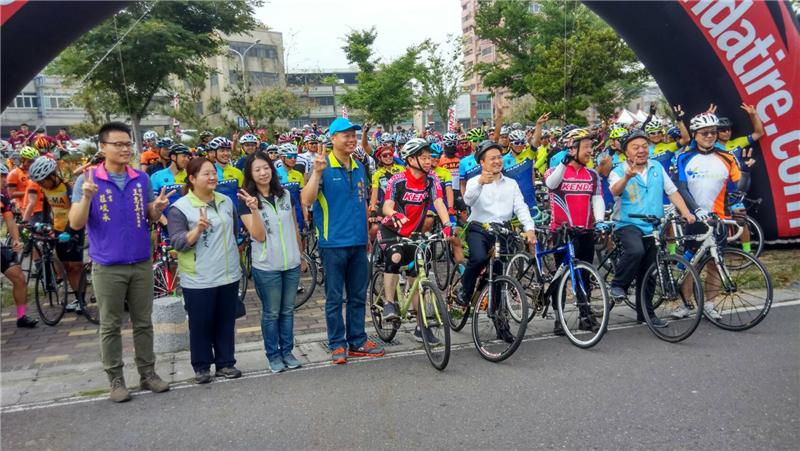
<point>318,90</point>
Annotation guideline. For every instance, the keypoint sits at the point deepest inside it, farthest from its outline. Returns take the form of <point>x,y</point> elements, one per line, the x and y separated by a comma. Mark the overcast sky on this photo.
<point>314,30</point>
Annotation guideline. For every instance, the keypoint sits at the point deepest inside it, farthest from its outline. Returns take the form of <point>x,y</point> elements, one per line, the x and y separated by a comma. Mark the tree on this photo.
<point>190,94</point>
<point>172,39</point>
<point>264,107</point>
<point>441,79</point>
<point>565,56</point>
<point>384,93</point>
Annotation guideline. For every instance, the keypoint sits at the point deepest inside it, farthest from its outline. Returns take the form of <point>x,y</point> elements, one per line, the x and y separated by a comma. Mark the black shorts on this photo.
<point>406,252</point>
<point>458,201</point>
<point>7,259</point>
<point>72,250</point>
<point>699,228</point>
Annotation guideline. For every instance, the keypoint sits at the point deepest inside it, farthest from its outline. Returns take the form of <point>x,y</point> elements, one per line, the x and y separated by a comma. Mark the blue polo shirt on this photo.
<point>340,211</point>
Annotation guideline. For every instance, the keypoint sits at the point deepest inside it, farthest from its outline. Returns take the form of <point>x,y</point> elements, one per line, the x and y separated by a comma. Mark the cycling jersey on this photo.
<point>58,202</point>
<point>617,158</point>
<point>411,196</point>
<point>148,157</point>
<point>709,177</point>
<point>520,168</point>
<point>445,180</point>
<point>305,162</point>
<point>468,167</point>
<point>229,180</point>
<point>451,164</point>
<point>17,182</point>
<point>294,185</point>
<point>165,179</point>
<point>380,179</point>
<point>33,187</point>
<point>741,142</point>
<point>571,201</point>
<point>541,159</point>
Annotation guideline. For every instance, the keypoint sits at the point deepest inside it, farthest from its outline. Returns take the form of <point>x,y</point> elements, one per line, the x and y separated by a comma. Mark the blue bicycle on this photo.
<point>575,288</point>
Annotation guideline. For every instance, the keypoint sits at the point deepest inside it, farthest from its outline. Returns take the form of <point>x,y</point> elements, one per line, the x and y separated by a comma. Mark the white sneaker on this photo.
<point>74,306</point>
<point>681,312</point>
<point>711,312</point>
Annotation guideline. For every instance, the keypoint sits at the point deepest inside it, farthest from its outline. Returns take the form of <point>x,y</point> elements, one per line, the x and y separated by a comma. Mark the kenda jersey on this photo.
<point>468,167</point>
<point>520,168</point>
<point>709,177</point>
<point>380,179</point>
<point>165,179</point>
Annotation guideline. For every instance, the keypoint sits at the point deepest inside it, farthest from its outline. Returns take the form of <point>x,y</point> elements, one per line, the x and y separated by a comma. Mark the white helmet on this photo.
<point>249,138</point>
<point>150,135</point>
<point>41,168</point>
<point>703,120</point>
<point>287,149</point>
<point>414,146</point>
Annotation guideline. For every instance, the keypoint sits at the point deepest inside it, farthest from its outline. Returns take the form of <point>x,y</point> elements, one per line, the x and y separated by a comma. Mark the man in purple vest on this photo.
<point>116,203</point>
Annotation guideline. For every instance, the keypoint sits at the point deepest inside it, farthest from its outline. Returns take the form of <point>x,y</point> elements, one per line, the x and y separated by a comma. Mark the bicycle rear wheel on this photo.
<point>756,237</point>
<point>386,330</point>
<point>495,334</point>
<point>308,282</point>
<point>433,316</point>
<point>743,297</point>
<point>86,291</point>
<point>583,305</point>
<point>457,314</point>
<point>51,291</point>
<point>673,286</point>
<point>522,267</point>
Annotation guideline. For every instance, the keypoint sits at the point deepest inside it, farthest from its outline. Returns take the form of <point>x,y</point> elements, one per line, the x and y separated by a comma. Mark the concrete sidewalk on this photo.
<point>54,382</point>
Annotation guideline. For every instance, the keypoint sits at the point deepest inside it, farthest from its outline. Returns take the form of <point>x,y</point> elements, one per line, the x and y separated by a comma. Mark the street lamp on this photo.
<point>241,58</point>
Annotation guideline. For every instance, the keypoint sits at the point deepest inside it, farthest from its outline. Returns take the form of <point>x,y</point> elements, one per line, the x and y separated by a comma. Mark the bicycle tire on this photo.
<point>522,267</point>
<point>50,293</point>
<point>732,315</point>
<point>486,322</point>
<point>433,315</point>
<point>386,331</point>
<point>673,298</point>
<point>756,236</point>
<point>307,284</point>
<point>569,323</point>
<point>88,300</point>
<point>456,313</point>
<point>440,263</point>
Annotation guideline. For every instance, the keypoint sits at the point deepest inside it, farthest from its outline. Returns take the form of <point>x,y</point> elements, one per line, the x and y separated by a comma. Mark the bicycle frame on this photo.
<point>404,297</point>
<point>709,245</point>
<point>566,264</point>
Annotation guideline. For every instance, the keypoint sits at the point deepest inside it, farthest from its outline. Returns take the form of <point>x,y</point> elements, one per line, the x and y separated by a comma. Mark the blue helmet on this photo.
<point>436,150</point>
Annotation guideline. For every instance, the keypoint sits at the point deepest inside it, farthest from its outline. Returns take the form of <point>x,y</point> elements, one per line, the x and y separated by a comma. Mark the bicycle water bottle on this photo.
<point>63,237</point>
<point>688,256</point>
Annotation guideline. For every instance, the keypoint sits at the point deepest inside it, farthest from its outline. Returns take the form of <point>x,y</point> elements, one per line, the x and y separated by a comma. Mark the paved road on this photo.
<point>718,390</point>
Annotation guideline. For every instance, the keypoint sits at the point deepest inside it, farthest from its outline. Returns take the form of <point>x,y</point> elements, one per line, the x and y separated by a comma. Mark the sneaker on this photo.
<point>368,349</point>
<point>230,372</point>
<point>390,312</point>
<point>202,377</point>
<point>402,279</point>
<point>300,289</point>
<point>119,392</point>
<point>461,298</point>
<point>658,322</point>
<point>618,293</point>
<point>339,356</point>
<point>558,330</point>
<point>429,337</point>
<point>503,331</point>
<point>277,365</point>
<point>711,312</point>
<point>681,312</point>
<point>151,381</point>
<point>291,361</point>
<point>586,323</point>
<point>72,306</point>
<point>26,322</point>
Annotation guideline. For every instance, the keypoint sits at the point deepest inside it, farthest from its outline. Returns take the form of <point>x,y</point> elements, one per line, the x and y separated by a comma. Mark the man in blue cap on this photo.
<point>338,192</point>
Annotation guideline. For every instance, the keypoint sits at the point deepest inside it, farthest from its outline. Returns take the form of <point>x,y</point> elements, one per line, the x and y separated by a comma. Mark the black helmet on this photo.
<point>178,149</point>
<point>635,133</point>
<point>724,122</point>
<point>484,147</point>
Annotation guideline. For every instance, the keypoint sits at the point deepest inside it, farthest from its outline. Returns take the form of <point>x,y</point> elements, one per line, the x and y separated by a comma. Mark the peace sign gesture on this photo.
<point>747,157</point>
<point>89,187</point>
<point>250,201</point>
<point>162,200</point>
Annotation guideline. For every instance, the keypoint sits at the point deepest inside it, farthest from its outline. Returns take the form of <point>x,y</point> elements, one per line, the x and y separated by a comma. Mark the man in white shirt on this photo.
<point>492,198</point>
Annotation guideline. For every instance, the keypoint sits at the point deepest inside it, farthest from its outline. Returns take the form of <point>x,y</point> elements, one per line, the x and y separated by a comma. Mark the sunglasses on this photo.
<point>708,133</point>
<point>517,143</point>
<point>654,133</point>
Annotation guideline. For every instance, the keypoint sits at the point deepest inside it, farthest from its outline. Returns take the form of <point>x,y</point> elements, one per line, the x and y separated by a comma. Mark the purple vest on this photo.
<point>117,227</point>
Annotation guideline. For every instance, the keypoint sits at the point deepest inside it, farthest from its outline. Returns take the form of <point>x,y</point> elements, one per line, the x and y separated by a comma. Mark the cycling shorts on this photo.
<point>72,250</point>
<point>406,252</point>
<point>7,259</point>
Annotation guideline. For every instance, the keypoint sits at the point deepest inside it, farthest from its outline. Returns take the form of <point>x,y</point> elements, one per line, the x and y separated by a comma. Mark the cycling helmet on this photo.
<point>310,138</point>
<point>674,133</point>
<point>28,153</point>
<point>516,136</point>
<point>504,130</point>
<point>430,139</point>
<point>635,133</point>
<point>516,126</point>
<point>654,126</point>
<point>41,168</point>
<point>413,147</point>
<point>359,153</point>
<point>578,134</point>
<point>206,134</point>
<point>384,149</point>
<point>703,120</point>
<point>3,169</point>
<point>287,149</point>
<point>201,151</point>
<point>214,143</point>
<point>225,143</point>
<point>285,138</point>
<point>476,135</point>
<point>164,142</point>
<point>402,139</point>
<point>387,138</point>
<point>450,139</point>
<point>436,150</point>
<point>484,147</point>
<point>617,132</point>
<point>725,122</point>
<point>179,149</point>
<point>248,138</point>
<point>326,140</point>
<point>567,129</point>
<point>556,131</point>
<point>41,142</point>
<point>272,148</point>
<point>150,135</point>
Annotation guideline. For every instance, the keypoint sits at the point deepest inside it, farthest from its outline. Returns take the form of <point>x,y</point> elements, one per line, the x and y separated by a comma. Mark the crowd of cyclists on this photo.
<point>373,204</point>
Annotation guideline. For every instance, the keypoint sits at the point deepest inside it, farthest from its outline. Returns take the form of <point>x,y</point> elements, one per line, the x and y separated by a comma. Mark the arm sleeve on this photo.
<point>178,227</point>
<point>598,208</point>
<point>472,191</point>
<point>553,179</point>
<point>683,189</point>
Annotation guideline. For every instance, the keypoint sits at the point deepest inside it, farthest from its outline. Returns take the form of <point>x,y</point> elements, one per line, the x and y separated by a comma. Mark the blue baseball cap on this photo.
<point>341,124</point>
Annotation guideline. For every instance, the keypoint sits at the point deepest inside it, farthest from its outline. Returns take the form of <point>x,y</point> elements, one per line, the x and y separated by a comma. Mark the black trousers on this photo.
<point>480,242</point>
<point>583,243</point>
<point>638,253</point>
<point>212,317</point>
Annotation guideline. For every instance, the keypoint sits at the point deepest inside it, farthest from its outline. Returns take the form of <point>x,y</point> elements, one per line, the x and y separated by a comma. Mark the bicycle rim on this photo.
<point>583,310</point>
<point>523,269</point>
<point>50,292</point>
<point>456,313</point>
<point>676,296</point>
<point>490,319</point>
<point>89,301</point>
<point>433,316</point>
<point>307,283</point>
<point>742,299</point>
<point>385,330</point>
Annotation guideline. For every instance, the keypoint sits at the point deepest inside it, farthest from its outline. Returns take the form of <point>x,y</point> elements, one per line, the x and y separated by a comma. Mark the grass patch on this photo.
<point>783,266</point>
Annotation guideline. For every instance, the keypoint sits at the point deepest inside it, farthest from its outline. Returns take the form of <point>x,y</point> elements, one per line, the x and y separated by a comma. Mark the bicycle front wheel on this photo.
<point>86,289</point>
<point>673,287</point>
<point>495,334</point>
<point>439,263</point>
<point>434,325</point>
<point>51,291</point>
<point>583,305</point>
<point>741,296</point>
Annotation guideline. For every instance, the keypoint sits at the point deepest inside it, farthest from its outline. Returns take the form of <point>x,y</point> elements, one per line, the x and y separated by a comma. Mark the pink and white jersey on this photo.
<point>571,202</point>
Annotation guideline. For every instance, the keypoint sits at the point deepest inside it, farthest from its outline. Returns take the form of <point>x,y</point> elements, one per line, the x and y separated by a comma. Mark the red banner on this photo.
<point>764,64</point>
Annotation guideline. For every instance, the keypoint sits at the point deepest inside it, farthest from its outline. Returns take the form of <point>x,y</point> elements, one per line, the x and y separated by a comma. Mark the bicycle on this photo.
<point>575,303</point>
<point>165,264</point>
<point>432,312</point>
<point>740,278</point>
<point>51,285</point>
<point>747,220</point>
<point>495,301</point>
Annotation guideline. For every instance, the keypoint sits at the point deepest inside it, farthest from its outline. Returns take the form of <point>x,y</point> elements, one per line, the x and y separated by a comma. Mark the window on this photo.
<point>487,50</point>
<point>262,78</point>
<point>324,101</point>
<point>484,104</point>
<point>468,52</point>
<point>214,79</point>
<point>26,100</point>
<point>257,51</point>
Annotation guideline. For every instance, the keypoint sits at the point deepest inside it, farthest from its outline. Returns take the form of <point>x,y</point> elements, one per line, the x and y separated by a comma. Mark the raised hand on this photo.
<point>162,200</point>
<point>203,223</point>
<point>678,111</point>
<point>629,172</point>
<point>711,108</point>
<point>321,162</point>
<point>747,157</point>
<point>89,187</point>
<point>543,118</point>
<point>751,110</point>
<point>250,201</point>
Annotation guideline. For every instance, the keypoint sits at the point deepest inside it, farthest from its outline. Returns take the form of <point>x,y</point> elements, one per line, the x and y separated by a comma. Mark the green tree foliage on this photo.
<point>263,108</point>
<point>565,56</point>
<point>385,93</point>
<point>441,79</point>
<point>173,39</point>
<point>190,94</point>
